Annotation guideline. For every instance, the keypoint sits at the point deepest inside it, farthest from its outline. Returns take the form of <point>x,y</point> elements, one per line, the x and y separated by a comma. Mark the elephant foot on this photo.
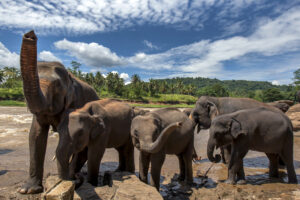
<point>273,175</point>
<point>31,187</point>
<point>180,178</point>
<point>241,182</point>
<point>229,181</point>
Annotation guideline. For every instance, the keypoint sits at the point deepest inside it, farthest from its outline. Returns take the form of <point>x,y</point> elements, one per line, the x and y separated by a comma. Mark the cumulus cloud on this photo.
<point>271,37</point>
<point>48,56</point>
<point>275,82</point>
<point>90,16</point>
<point>8,58</point>
<point>91,54</point>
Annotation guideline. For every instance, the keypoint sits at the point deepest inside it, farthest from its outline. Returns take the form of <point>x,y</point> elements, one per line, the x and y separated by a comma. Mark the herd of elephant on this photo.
<point>87,125</point>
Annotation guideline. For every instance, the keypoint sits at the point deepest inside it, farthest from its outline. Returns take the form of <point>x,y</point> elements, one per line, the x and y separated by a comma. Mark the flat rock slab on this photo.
<point>58,189</point>
<point>124,186</point>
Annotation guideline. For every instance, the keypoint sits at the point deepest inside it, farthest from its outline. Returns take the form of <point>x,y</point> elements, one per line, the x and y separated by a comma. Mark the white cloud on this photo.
<point>204,58</point>
<point>48,56</point>
<point>275,82</point>
<point>7,58</point>
<point>90,16</point>
<point>150,45</point>
<point>125,76</point>
<point>91,54</point>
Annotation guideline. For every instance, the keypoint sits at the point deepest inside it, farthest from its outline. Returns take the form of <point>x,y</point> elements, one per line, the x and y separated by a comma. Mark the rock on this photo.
<point>58,189</point>
<point>125,186</point>
<point>294,114</point>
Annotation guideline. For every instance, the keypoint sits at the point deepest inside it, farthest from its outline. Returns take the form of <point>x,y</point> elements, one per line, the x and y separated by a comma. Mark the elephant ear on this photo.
<point>213,110</point>
<point>236,128</point>
<point>69,99</point>
<point>97,126</point>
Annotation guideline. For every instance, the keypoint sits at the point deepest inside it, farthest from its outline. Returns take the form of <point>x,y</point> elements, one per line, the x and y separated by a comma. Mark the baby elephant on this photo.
<point>161,132</point>
<point>97,125</point>
<point>256,129</point>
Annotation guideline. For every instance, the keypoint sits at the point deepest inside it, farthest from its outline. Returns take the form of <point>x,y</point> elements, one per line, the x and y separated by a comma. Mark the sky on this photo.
<point>224,39</point>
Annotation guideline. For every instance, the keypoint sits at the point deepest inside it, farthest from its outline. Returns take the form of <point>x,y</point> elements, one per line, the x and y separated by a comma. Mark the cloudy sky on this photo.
<point>224,39</point>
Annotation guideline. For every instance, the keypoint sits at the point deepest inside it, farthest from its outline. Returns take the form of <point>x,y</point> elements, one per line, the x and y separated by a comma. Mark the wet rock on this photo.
<point>294,115</point>
<point>58,189</point>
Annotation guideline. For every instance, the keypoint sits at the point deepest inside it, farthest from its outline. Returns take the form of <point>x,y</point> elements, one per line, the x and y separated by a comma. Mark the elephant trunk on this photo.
<point>156,146</point>
<point>210,151</point>
<point>36,101</point>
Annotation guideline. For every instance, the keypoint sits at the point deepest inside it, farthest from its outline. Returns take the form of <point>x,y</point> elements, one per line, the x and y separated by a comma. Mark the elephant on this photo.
<point>97,125</point>
<point>49,90</point>
<point>258,129</point>
<point>207,108</point>
<point>160,132</point>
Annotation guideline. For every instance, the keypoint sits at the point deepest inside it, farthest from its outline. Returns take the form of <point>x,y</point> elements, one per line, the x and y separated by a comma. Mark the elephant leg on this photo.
<point>144,161</point>
<point>236,162</point>
<point>129,157</point>
<point>273,164</point>
<point>287,157</point>
<point>241,174</point>
<point>78,162</point>
<point>38,136</point>
<point>157,161</point>
<point>187,157</point>
<point>181,167</point>
<point>63,153</point>
<point>122,158</point>
<point>95,154</point>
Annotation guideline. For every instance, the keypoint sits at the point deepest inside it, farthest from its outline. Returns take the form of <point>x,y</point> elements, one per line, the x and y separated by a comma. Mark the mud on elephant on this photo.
<point>258,129</point>
<point>49,90</point>
<point>88,131</point>
<point>161,132</point>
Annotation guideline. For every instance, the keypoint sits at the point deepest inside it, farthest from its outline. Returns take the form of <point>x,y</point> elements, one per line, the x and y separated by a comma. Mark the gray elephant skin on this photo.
<point>258,129</point>
<point>161,132</point>
<point>49,90</point>
<point>207,108</point>
<point>97,125</point>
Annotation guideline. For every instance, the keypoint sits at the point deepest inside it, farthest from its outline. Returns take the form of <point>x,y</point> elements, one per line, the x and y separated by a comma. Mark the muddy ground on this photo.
<point>14,163</point>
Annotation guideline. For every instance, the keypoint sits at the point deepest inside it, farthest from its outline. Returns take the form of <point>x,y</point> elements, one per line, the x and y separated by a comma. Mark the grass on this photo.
<point>12,103</point>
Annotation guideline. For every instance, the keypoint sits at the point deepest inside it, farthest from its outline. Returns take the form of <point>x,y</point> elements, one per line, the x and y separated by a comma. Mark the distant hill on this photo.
<point>231,85</point>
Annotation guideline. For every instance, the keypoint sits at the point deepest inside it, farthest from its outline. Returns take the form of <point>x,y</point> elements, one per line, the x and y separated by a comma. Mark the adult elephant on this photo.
<point>207,108</point>
<point>49,90</point>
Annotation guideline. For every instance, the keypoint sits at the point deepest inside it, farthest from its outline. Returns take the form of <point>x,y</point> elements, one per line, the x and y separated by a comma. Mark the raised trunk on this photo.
<point>210,151</point>
<point>156,146</point>
<point>36,101</point>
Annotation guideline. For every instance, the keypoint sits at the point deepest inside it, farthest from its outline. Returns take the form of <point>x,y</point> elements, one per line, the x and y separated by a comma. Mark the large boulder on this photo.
<point>123,186</point>
<point>294,114</point>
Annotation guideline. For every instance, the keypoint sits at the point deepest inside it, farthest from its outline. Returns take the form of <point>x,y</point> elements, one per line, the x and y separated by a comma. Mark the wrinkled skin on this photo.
<point>158,133</point>
<point>49,90</point>
<point>207,108</point>
<point>258,129</point>
<point>98,125</point>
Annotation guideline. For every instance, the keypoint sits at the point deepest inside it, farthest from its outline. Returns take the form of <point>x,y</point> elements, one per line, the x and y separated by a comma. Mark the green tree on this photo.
<point>297,78</point>
<point>216,90</point>
<point>114,83</point>
<point>272,94</point>
<point>136,85</point>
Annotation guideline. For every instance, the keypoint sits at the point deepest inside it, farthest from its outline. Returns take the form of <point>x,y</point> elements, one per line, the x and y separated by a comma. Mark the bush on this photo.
<point>11,94</point>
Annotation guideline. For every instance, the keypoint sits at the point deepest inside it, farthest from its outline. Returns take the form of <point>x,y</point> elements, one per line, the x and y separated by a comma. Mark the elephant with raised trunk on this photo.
<point>161,132</point>
<point>97,125</point>
<point>49,90</point>
<point>207,108</point>
<point>258,129</point>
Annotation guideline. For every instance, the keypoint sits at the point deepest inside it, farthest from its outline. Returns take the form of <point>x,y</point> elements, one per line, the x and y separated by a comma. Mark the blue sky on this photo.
<point>224,39</point>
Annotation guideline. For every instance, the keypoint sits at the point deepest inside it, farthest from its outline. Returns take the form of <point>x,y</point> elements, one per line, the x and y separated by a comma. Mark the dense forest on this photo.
<point>175,90</point>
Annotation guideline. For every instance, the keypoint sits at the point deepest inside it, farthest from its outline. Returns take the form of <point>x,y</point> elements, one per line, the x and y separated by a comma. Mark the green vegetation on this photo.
<point>12,103</point>
<point>178,92</point>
